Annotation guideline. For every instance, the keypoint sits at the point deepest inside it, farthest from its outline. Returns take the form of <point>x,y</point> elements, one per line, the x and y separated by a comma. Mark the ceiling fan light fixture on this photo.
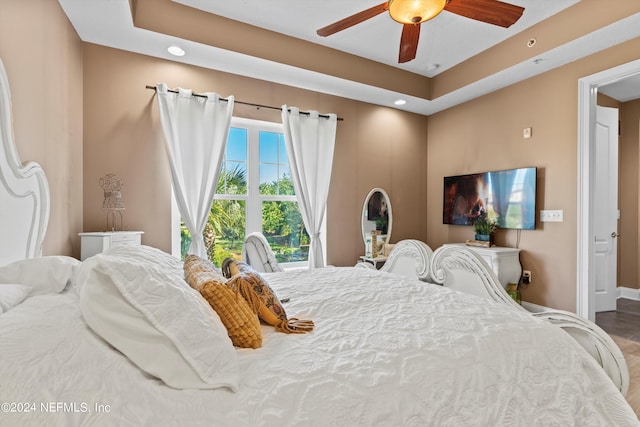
<point>415,11</point>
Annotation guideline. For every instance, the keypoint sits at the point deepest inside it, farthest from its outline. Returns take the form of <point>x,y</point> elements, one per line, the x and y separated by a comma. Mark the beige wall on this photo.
<point>486,134</point>
<point>629,155</point>
<point>42,55</point>
<point>375,147</point>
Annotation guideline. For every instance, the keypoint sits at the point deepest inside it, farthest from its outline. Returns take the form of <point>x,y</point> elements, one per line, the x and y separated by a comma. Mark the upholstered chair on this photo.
<point>258,254</point>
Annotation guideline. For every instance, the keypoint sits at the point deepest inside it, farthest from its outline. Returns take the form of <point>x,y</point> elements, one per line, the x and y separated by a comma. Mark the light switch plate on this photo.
<point>552,216</point>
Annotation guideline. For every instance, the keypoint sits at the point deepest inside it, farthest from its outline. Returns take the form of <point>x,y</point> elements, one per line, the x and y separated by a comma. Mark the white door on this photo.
<point>605,208</point>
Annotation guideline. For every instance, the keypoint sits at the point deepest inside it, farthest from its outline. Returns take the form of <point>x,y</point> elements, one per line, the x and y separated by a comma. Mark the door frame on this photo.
<point>587,97</point>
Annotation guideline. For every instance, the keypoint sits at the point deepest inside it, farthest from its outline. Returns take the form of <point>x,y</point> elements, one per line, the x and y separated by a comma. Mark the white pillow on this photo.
<point>12,295</point>
<point>136,299</point>
<point>45,275</point>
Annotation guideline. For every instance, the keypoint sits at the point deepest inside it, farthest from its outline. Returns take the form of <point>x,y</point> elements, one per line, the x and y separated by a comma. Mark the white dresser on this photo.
<point>97,242</point>
<point>505,262</point>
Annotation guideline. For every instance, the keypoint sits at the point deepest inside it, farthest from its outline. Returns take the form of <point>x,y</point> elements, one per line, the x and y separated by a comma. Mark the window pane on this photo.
<point>233,172</point>
<point>275,175</point>
<point>224,232</point>
<point>269,147</point>
<point>268,179</point>
<point>233,178</point>
<point>237,145</point>
<point>283,151</point>
<point>286,185</point>
<point>227,222</point>
<point>283,227</point>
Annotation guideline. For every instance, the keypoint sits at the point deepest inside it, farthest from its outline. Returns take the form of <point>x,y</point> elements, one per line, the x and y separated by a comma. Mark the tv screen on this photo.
<point>508,196</point>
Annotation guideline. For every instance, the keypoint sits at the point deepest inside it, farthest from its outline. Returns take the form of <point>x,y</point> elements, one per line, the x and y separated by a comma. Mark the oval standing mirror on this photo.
<point>376,216</point>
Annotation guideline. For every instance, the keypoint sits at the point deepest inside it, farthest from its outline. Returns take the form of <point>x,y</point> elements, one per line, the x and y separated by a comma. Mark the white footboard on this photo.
<point>410,258</point>
<point>597,343</point>
<point>463,270</point>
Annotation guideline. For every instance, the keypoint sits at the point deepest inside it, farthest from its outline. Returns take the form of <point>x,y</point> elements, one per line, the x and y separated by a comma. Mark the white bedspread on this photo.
<point>386,351</point>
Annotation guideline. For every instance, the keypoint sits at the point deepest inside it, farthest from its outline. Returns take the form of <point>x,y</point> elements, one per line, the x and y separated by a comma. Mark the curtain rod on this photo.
<point>306,113</point>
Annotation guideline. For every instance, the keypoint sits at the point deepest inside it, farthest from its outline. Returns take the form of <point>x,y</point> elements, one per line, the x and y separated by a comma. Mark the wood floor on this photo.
<point>624,322</point>
<point>631,351</point>
<point>624,327</point>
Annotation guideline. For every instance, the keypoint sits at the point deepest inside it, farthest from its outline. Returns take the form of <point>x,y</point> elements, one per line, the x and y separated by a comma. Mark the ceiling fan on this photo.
<point>411,13</point>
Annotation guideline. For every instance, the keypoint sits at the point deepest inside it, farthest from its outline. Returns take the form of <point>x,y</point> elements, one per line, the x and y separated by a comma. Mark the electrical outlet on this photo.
<point>526,277</point>
<point>551,216</point>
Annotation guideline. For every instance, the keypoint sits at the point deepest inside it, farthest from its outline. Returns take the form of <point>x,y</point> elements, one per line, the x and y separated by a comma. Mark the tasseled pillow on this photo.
<point>261,297</point>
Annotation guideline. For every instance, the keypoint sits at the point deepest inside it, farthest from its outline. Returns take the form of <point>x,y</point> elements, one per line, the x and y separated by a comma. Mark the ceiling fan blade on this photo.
<point>490,11</point>
<point>353,20</point>
<point>409,42</point>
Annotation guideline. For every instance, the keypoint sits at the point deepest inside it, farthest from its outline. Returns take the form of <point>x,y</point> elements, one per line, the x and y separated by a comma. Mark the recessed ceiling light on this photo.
<point>400,102</point>
<point>175,50</point>
<point>432,67</point>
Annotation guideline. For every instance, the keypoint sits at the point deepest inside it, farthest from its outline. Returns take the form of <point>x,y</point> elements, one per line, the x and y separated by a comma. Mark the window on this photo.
<point>254,193</point>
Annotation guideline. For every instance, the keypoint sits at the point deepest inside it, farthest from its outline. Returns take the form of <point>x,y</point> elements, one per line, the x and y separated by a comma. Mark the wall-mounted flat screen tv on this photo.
<point>508,196</point>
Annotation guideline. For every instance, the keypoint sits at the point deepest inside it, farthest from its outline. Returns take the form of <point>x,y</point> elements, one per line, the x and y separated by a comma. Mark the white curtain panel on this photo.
<point>310,141</point>
<point>195,130</point>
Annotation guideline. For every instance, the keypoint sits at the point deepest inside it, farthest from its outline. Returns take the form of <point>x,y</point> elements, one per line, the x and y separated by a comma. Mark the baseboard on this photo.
<point>628,293</point>
<point>622,292</point>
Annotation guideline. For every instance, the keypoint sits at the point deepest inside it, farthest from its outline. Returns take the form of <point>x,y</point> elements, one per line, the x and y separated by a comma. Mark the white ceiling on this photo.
<point>445,41</point>
<point>624,90</point>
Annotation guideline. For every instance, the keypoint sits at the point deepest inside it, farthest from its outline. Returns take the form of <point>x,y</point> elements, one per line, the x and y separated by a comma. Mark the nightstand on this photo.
<point>97,242</point>
<point>505,262</point>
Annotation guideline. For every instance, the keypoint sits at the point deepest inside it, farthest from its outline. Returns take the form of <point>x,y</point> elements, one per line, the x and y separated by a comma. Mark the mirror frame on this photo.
<point>365,208</point>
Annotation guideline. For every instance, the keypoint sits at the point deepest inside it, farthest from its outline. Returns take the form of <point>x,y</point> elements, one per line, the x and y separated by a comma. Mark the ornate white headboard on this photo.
<point>24,192</point>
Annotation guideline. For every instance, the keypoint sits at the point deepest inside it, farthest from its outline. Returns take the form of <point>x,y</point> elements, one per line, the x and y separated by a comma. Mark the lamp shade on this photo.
<point>415,11</point>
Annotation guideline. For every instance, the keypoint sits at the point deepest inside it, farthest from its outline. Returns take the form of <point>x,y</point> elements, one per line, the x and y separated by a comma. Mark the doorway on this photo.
<point>587,94</point>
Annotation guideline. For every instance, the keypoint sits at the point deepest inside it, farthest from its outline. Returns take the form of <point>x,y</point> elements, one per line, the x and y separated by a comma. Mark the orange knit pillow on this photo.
<point>194,263</point>
<point>241,321</point>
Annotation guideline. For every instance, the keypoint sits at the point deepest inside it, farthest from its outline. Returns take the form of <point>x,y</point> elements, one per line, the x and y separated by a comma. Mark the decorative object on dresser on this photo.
<point>514,292</point>
<point>112,186</point>
<point>374,243</point>
<point>485,227</point>
<point>97,242</point>
<point>479,243</point>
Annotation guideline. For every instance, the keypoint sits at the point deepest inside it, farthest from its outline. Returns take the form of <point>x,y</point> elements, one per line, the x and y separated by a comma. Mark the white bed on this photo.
<point>388,349</point>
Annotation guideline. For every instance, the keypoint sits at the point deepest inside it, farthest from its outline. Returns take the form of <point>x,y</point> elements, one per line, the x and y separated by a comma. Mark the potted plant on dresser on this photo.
<point>484,228</point>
